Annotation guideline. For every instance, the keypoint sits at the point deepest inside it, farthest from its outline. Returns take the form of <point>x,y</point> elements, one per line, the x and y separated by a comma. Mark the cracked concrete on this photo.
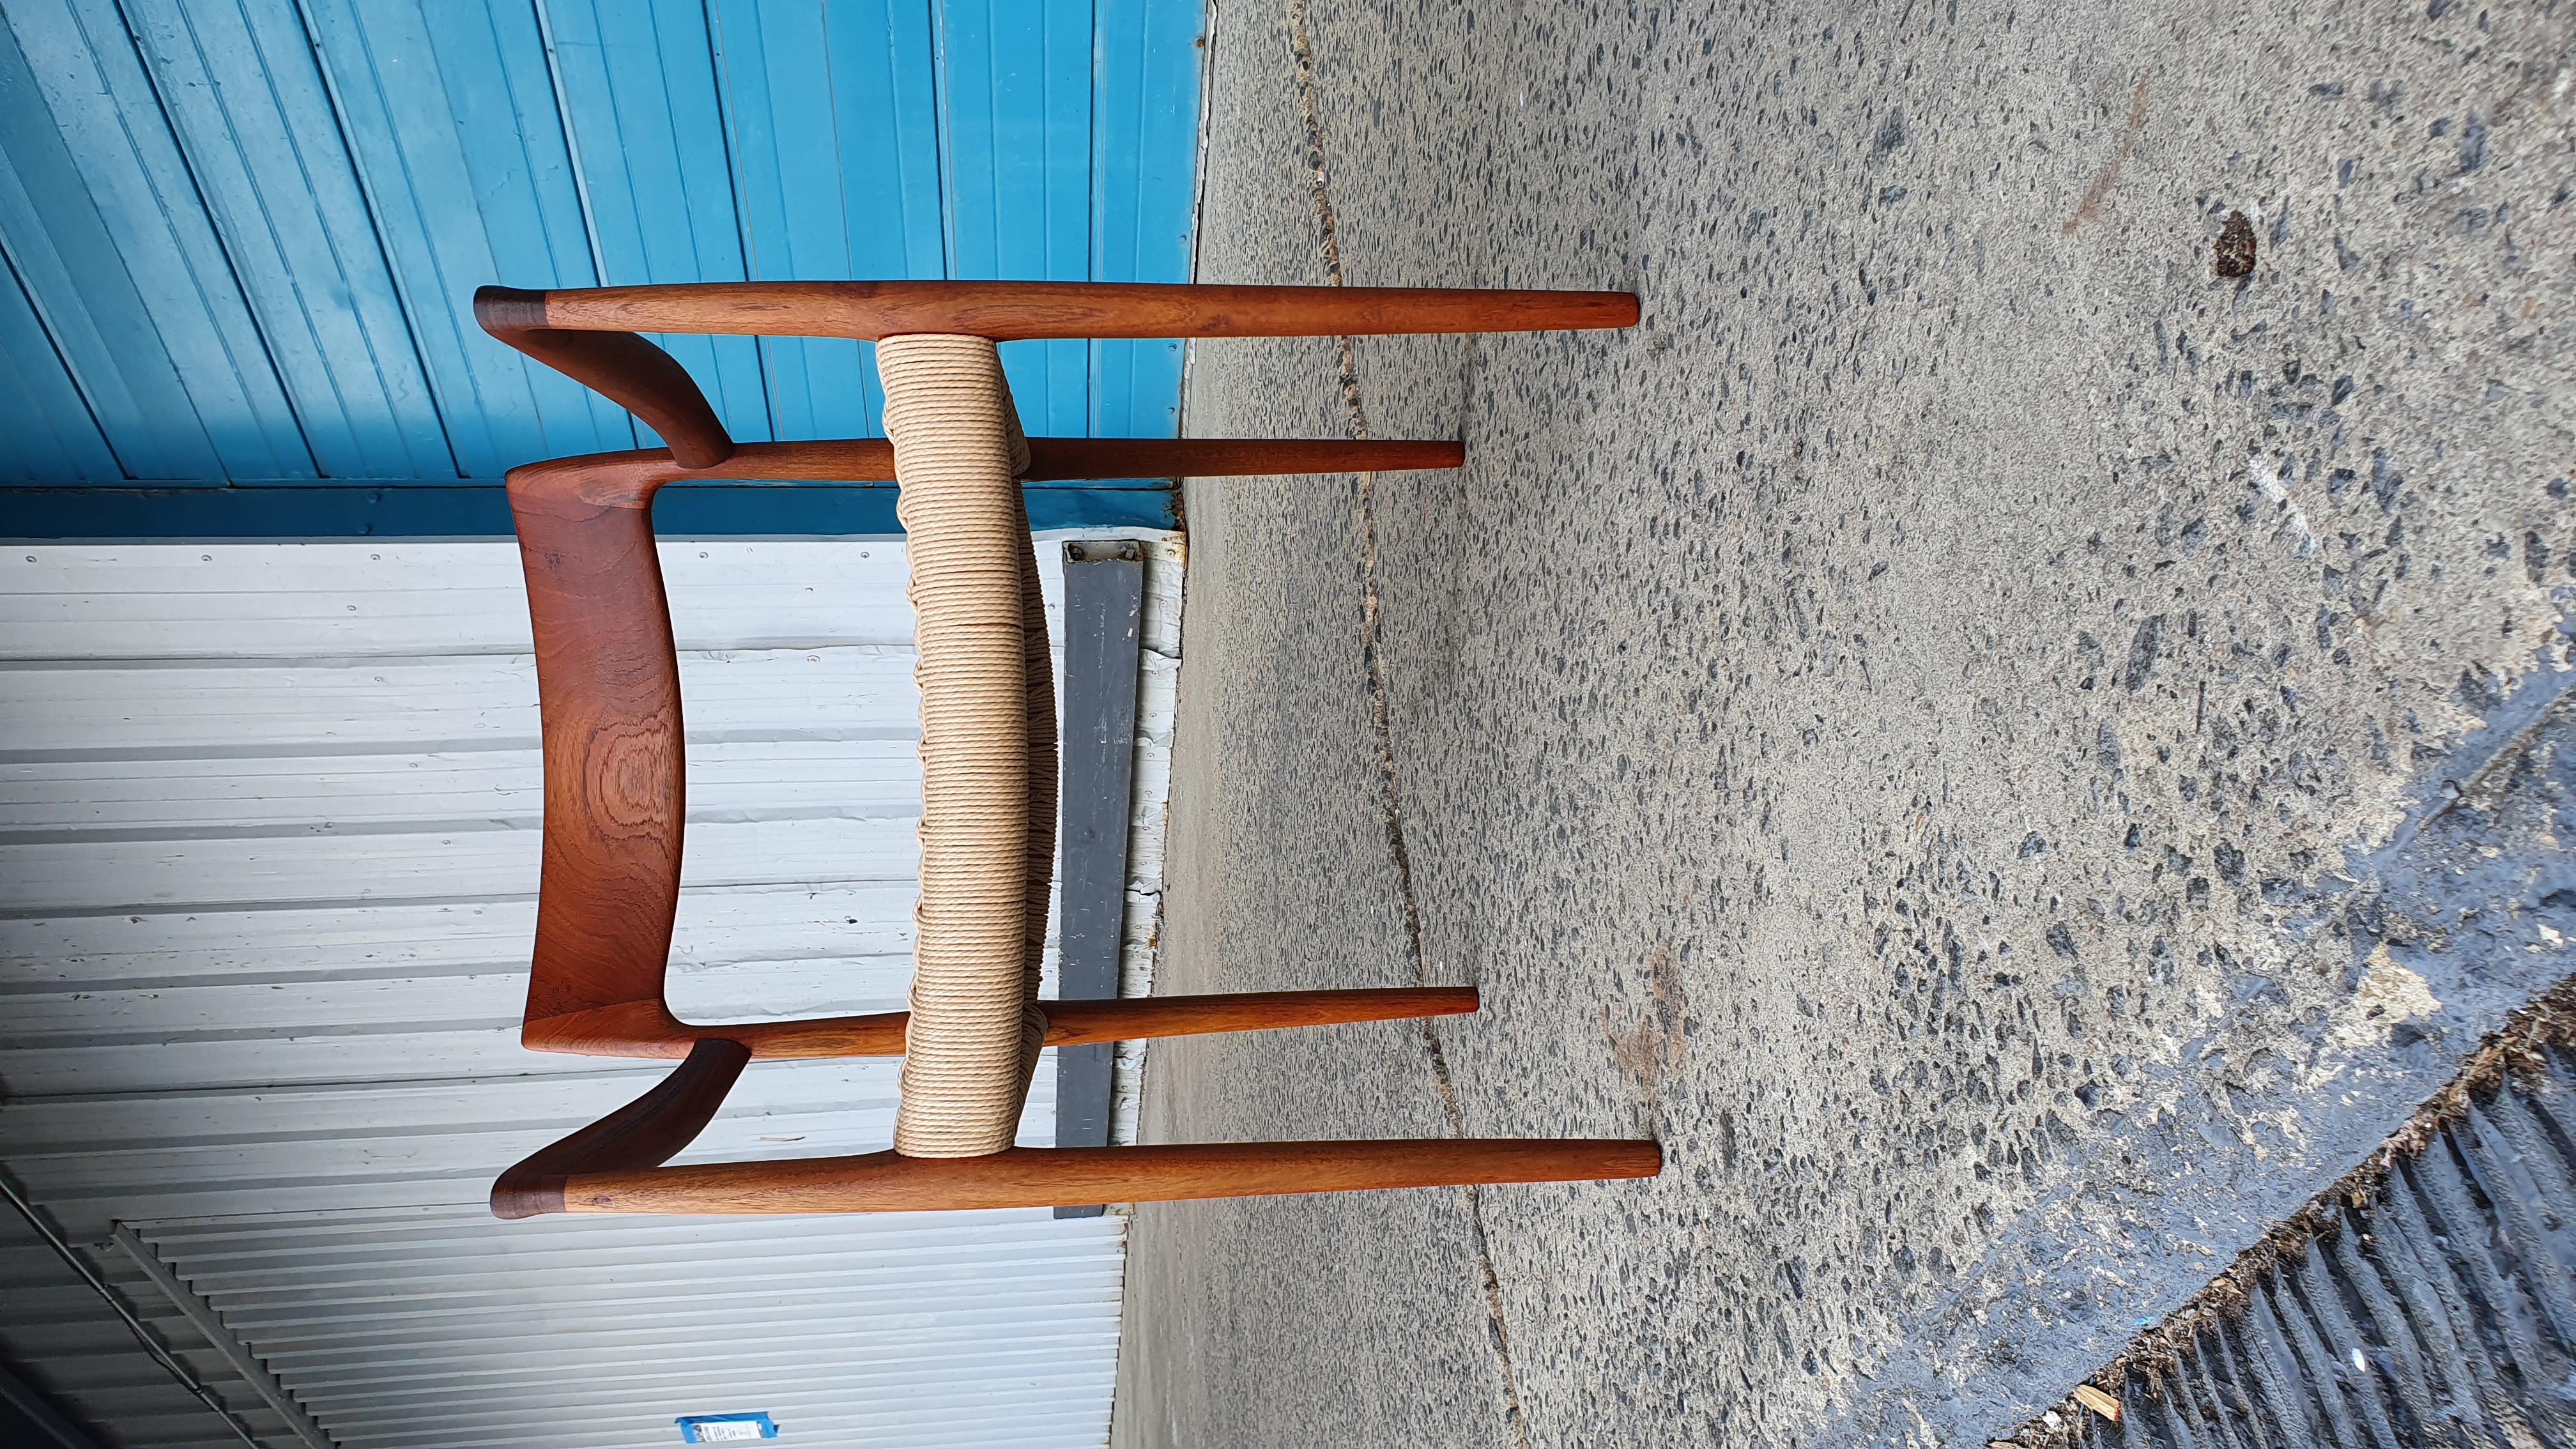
<point>2017,755</point>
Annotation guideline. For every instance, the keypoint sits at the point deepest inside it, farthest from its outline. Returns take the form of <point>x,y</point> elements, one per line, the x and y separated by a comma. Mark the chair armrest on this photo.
<point>871,460</point>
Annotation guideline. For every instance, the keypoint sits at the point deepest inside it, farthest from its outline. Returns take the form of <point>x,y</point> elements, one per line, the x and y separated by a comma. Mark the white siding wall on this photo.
<point>268,858</point>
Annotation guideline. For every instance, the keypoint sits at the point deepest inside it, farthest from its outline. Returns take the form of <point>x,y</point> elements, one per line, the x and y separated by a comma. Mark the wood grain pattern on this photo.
<point>1008,311</point>
<point>646,1132</point>
<point>1046,1176</point>
<point>1071,1023</point>
<point>608,701</point>
<point>647,1029</point>
<point>620,366</point>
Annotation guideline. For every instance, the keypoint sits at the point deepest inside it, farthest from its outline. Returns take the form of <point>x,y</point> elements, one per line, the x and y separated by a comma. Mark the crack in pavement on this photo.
<point>1373,657</point>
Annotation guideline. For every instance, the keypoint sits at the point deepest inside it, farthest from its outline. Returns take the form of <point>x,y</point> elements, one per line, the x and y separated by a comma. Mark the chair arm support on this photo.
<point>619,366</point>
<point>646,1132</point>
<point>1045,1176</point>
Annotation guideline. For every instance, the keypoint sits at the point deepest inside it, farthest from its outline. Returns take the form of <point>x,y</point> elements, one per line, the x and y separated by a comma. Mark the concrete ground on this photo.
<point>2017,757</point>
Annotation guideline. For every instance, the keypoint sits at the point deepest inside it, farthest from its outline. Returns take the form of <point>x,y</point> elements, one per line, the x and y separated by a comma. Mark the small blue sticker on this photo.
<point>726,1428</point>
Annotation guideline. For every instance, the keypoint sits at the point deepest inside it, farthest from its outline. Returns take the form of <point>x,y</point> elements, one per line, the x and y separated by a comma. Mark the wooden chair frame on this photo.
<point>609,694</point>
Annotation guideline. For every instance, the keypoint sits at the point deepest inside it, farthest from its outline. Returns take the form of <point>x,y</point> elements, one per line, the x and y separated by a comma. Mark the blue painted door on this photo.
<point>241,235</point>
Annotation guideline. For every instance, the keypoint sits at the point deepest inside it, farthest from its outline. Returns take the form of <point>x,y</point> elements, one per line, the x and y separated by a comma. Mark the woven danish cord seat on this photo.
<point>988,750</point>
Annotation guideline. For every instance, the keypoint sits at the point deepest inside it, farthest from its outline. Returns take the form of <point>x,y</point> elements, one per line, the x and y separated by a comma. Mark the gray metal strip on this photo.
<point>1104,603</point>
<point>202,1314</point>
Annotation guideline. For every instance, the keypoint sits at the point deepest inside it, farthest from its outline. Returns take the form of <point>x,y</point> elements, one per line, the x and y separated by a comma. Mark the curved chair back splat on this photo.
<point>609,693</point>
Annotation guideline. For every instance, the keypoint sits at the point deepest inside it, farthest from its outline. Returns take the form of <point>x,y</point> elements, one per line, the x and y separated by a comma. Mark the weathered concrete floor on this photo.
<point>2016,758</point>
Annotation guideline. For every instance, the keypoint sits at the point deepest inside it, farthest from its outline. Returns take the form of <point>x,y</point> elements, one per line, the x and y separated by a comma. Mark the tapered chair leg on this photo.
<point>1045,1176</point>
<point>646,1132</point>
<point>1051,458</point>
<point>1069,1023</point>
<point>647,1028</point>
<point>1010,311</point>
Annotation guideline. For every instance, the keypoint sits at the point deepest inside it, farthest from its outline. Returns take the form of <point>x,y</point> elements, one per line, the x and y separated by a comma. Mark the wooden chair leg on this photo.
<point>1046,1176</point>
<point>1008,311</point>
<point>1070,1023</point>
<point>1053,458</point>
<point>620,366</point>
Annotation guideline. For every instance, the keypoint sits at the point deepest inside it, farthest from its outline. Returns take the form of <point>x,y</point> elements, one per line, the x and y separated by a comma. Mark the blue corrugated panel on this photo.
<point>451,111</point>
<point>1144,128</point>
<point>834,130</point>
<point>639,100</point>
<point>49,432</point>
<point>138,187</point>
<point>104,306</point>
<point>684,510</point>
<point>250,111</point>
<point>1015,90</point>
<point>241,236</point>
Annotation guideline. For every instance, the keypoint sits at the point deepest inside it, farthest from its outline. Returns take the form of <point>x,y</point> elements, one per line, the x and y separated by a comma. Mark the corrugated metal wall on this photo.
<point>433,1330</point>
<point>240,235</point>
<point>72,1348</point>
<point>267,881</point>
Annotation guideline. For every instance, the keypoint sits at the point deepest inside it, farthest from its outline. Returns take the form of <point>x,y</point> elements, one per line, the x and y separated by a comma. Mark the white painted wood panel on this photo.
<point>269,829</point>
<point>234,601</point>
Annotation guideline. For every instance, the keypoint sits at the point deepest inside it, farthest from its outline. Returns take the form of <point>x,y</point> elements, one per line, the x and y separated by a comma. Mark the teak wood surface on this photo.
<point>615,790</point>
<point>886,1182</point>
<point>1019,311</point>
<point>637,473</point>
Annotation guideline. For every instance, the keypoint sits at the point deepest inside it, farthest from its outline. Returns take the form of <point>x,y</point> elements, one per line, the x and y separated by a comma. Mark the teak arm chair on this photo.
<point>609,694</point>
